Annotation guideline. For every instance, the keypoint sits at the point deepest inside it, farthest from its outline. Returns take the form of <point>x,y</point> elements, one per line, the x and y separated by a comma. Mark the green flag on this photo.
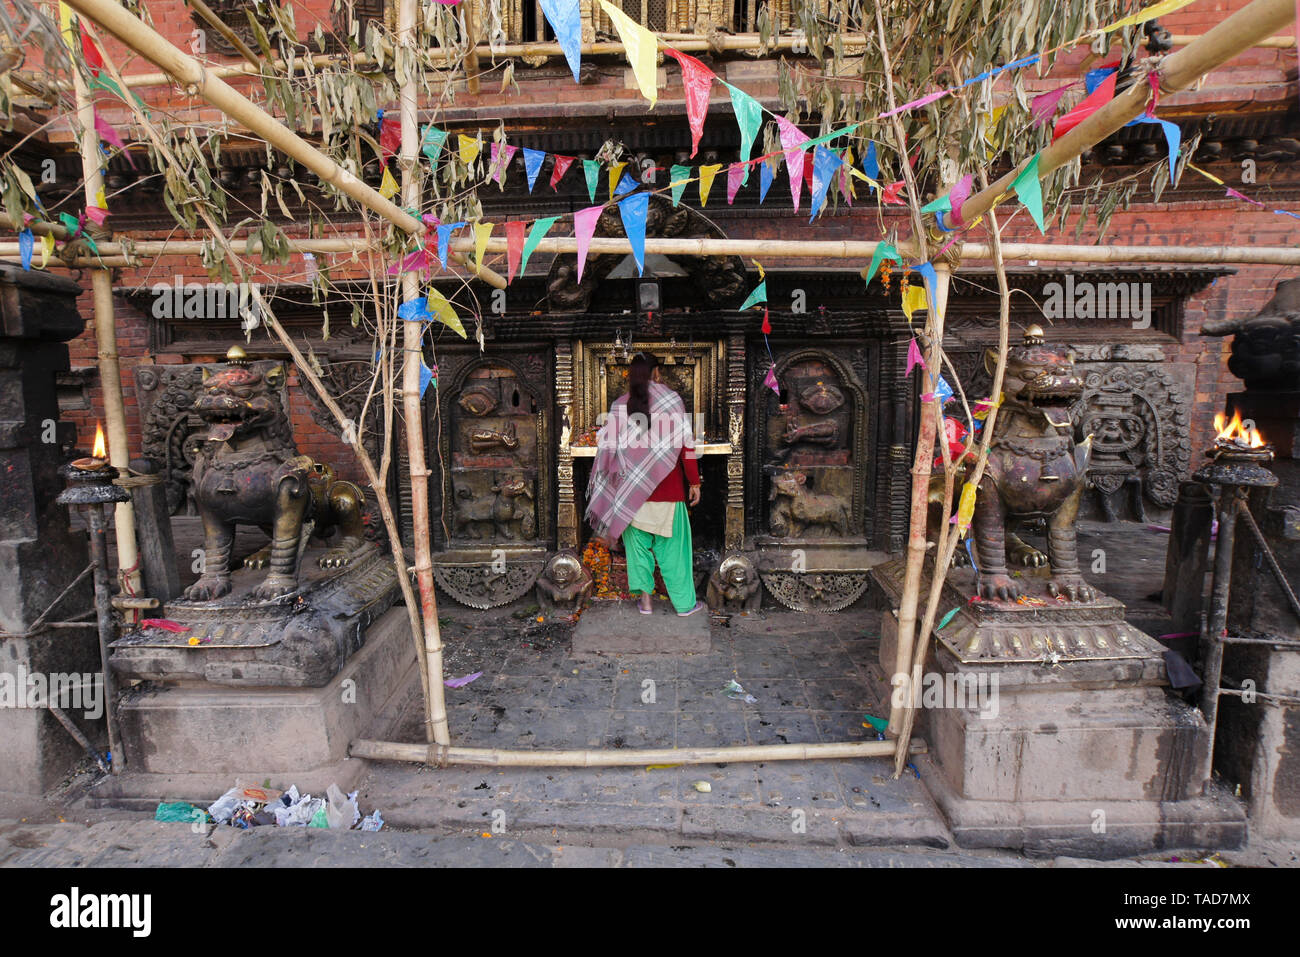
<point>540,229</point>
<point>749,115</point>
<point>1030,191</point>
<point>941,205</point>
<point>757,297</point>
<point>883,251</point>
<point>591,169</point>
<point>678,178</point>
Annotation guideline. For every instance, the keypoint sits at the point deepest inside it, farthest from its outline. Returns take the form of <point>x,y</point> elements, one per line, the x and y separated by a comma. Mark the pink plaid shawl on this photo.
<point>630,463</point>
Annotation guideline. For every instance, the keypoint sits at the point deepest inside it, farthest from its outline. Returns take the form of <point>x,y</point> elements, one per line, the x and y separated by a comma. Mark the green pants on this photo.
<point>674,556</point>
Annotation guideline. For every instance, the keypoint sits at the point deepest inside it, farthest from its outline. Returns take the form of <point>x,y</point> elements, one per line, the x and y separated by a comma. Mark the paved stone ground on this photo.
<point>813,678</point>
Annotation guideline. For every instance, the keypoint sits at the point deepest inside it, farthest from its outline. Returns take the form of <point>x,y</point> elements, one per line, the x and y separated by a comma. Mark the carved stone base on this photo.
<point>1051,730</point>
<point>190,742</point>
<point>812,578</point>
<point>1044,630</point>
<point>488,578</point>
<point>301,640</point>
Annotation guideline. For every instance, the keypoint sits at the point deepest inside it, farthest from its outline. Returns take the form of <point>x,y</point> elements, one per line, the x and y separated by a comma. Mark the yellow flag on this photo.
<point>641,47</point>
<point>440,307</point>
<point>706,181</point>
<point>762,273</point>
<point>1149,13</point>
<point>388,185</point>
<point>965,508</point>
<point>990,132</point>
<point>100,199</point>
<point>913,299</point>
<point>615,173</point>
<point>47,247</point>
<point>469,148</point>
<point>481,233</point>
<point>66,26</point>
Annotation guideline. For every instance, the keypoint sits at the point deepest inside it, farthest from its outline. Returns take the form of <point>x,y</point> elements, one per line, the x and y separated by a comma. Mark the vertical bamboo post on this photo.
<point>916,536</point>
<point>412,349</point>
<point>110,370</point>
<point>471,21</point>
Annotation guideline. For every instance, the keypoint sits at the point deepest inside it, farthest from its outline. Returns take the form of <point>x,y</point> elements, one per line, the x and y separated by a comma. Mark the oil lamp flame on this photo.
<point>1235,433</point>
<point>99,451</point>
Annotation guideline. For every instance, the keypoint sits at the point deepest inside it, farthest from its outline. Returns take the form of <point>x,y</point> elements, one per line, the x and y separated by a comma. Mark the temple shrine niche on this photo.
<point>491,490</point>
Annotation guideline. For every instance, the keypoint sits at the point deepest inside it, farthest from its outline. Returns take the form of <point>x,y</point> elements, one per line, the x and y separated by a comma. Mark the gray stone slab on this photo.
<point>617,626</point>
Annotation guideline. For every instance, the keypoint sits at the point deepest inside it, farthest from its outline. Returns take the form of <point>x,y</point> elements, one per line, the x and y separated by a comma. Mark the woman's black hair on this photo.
<point>638,385</point>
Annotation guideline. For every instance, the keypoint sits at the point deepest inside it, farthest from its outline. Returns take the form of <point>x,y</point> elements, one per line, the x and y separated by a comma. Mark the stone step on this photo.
<point>617,627</point>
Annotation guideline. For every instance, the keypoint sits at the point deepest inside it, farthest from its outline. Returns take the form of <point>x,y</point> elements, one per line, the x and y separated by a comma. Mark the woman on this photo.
<point>645,461</point>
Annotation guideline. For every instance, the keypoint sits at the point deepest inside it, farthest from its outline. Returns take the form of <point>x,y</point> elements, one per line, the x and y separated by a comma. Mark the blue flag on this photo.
<point>25,241</point>
<point>444,236</point>
<point>825,164</point>
<point>565,18</point>
<point>634,209</point>
<point>871,165</point>
<point>764,180</point>
<point>533,160</point>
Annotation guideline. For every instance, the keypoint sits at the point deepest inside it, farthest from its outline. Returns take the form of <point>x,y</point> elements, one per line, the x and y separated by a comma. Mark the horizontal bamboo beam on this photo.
<point>196,79</point>
<point>1257,21</point>
<point>756,248</point>
<point>1275,43</point>
<point>687,43</point>
<point>623,757</point>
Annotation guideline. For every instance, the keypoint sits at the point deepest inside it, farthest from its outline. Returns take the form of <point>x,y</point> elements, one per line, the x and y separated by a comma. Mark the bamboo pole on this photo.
<point>351,433</point>
<point>532,49</point>
<point>1255,22</point>
<point>685,42</point>
<point>198,81</point>
<point>948,544</point>
<point>621,757</point>
<point>471,22</point>
<point>919,512</point>
<point>435,706</point>
<point>745,248</point>
<point>109,367</point>
<point>233,38</point>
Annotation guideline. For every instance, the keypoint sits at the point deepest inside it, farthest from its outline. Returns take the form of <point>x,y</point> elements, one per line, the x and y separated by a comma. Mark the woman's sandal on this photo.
<point>643,610</point>
<point>687,614</point>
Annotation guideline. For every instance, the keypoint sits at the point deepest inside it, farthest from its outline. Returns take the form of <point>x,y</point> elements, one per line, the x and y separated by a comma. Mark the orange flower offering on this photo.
<point>598,561</point>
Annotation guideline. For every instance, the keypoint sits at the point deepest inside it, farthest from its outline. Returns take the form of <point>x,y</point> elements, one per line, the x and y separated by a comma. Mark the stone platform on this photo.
<point>617,627</point>
<point>194,741</point>
<point>1058,735</point>
<point>299,640</point>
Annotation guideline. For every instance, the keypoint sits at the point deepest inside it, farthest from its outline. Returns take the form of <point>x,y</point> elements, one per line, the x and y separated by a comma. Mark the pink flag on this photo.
<point>584,227</point>
<point>959,194</point>
<point>792,140</point>
<point>769,380</point>
<point>499,164</point>
<point>562,164</point>
<point>111,137</point>
<point>914,358</point>
<point>1043,106</point>
<point>418,260</point>
<point>514,248</point>
<point>97,214</point>
<point>735,176</point>
<point>697,79</point>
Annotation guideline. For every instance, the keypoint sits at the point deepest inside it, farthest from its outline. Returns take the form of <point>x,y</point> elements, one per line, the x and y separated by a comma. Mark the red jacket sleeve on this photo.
<point>691,465</point>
